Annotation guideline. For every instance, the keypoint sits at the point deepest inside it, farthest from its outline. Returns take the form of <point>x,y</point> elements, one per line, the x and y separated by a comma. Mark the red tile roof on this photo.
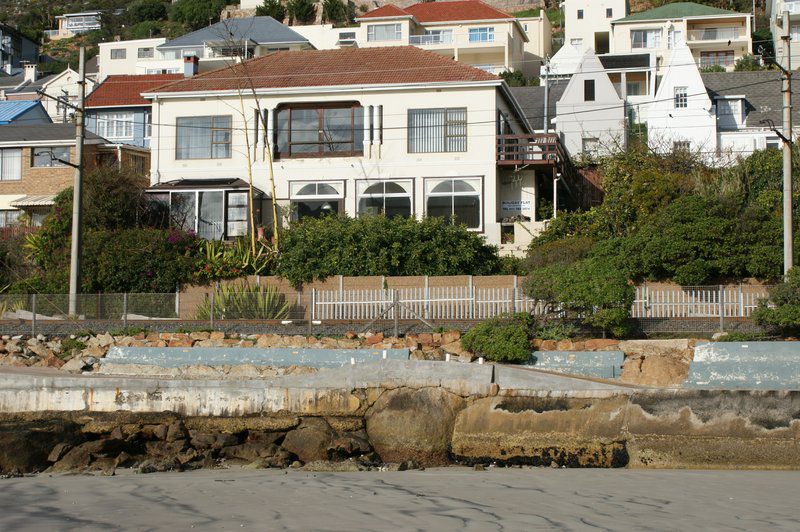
<point>348,66</point>
<point>454,11</point>
<point>119,91</point>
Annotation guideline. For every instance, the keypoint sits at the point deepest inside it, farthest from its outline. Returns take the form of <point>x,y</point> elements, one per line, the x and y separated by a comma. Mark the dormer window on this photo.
<point>730,113</point>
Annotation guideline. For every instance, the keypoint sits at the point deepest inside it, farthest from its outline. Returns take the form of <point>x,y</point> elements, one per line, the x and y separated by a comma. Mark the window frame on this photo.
<point>580,14</point>
<point>338,197</point>
<point>212,143</point>
<point>723,58</point>
<point>589,90</point>
<point>53,163</point>
<point>609,12</point>
<point>681,145</point>
<point>483,34</point>
<point>398,32</point>
<point>18,156</point>
<point>680,97</point>
<point>152,52</point>
<point>644,43</point>
<point>104,120</point>
<point>226,192</point>
<point>407,183</point>
<point>480,194</point>
<point>356,144</point>
<point>447,124</point>
<point>117,52</point>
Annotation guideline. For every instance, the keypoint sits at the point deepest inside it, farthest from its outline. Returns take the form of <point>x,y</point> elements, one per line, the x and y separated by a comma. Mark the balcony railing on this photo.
<point>716,34</point>
<point>419,40</point>
<point>538,148</point>
<point>791,7</point>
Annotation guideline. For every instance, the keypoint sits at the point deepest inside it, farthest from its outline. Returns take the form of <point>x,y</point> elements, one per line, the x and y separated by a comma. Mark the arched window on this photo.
<point>392,198</point>
<point>456,198</point>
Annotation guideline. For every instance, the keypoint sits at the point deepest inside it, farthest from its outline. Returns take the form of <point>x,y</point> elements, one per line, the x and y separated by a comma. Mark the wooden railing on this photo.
<point>538,148</point>
<point>7,233</point>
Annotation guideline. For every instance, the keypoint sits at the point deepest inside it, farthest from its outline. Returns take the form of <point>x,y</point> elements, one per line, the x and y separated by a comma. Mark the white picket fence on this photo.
<point>471,303</point>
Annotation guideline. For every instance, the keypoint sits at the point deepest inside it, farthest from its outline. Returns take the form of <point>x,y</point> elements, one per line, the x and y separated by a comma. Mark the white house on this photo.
<point>775,10</point>
<point>590,116</point>
<point>587,25</point>
<point>116,58</point>
<point>395,130</point>
<point>72,24</point>
<point>682,115</point>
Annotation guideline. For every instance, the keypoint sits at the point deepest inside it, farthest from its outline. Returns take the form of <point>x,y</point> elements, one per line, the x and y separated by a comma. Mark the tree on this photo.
<point>147,10</point>
<point>196,14</point>
<point>515,78</point>
<point>334,11</point>
<point>783,309</point>
<point>272,8</point>
<point>747,62</point>
<point>301,11</point>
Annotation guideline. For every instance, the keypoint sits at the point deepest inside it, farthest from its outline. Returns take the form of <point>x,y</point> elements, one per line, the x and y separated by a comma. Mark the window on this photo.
<point>722,58</point>
<point>481,35</point>
<point>137,163</point>
<point>203,137</point>
<point>145,53</point>
<point>576,43</point>
<point>633,88</point>
<point>115,125</point>
<point>794,32</point>
<point>674,38</point>
<point>681,145</point>
<point>681,98</point>
<point>437,130</point>
<point>645,38</point>
<point>9,218</point>
<point>48,157</point>
<point>317,131</point>
<point>316,199</point>
<point>588,90</point>
<point>164,71</point>
<point>347,35</point>
<point>589,145</point>
<point>384,32</point>
<point>197,51</point>
<point>580,14</point>
<point>212,214</point>
<point>458,199</point>
<point>609,12</point>
<point>433,37</point>
<point>392,198</point>
<point>773,142</point>
<point>10,164</point>
<point>118,53</point>
<point>729,113</point>
<point>148,124</point>
<point>525,27</point>
<point>236,214</point>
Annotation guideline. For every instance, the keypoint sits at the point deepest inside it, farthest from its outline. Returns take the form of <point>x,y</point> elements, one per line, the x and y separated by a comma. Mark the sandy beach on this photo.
<point>435,499</point>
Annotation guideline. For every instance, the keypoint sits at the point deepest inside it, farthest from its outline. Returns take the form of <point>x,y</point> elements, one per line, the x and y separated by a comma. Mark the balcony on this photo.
<point>716,34</point>
<point>535,149</point>
<point>421,40</point>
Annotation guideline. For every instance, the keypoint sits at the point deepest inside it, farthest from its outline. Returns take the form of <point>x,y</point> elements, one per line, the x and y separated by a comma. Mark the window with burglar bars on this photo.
<point>203,137</point>
<point>437,130</point>
<point>321,130</point>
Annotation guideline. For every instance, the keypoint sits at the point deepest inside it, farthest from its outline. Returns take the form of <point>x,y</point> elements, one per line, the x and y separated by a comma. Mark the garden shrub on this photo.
<point>501,339</point>
<point>557,331</point>
<point>782,311</point>
<point>243,301</point>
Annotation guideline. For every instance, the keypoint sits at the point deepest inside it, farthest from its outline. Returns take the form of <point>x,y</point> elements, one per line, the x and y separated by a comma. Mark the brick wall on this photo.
<point>49,180</point>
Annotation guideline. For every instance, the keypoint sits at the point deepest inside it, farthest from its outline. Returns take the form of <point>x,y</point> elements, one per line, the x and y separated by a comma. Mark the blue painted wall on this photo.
<point>139,114</point>
<point>746,366</point>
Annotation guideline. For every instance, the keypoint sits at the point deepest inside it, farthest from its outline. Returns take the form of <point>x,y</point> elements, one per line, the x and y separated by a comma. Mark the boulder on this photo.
<point>310,440</point>
<point>26,446</point>
<point>413,424</point>
<point>75,365</point>
<point>601,344</point>
<point>349,445</point>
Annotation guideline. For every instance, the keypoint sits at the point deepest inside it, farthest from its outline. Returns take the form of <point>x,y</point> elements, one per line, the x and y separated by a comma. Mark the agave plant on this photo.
<point>243,301</point>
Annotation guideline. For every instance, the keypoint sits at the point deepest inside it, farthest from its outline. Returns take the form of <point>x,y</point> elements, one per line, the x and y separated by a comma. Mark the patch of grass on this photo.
<point>737,336</point>
<point>69,346</point>
<point>129,331</point>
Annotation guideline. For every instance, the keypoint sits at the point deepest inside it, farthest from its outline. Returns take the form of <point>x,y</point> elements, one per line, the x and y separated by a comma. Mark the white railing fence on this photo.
<point>471,303</point>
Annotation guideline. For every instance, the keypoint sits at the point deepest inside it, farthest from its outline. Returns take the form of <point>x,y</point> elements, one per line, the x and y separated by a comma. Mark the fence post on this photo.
<point>311,311</point>
<point>514,296</point>
<point>125,311</point>
<point>33,318</point>
<point>427,299</point>
<point>721,308</point>
<point>211,314</point>
<point>178,301</point>
<point>396,309</point>
<point>741,302</point>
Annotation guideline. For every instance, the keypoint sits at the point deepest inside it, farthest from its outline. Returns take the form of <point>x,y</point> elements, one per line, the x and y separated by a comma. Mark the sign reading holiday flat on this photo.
<point>514,207</point>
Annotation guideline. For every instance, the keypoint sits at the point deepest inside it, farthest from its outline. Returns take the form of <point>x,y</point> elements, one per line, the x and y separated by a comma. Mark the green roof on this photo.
<point>677,10</point>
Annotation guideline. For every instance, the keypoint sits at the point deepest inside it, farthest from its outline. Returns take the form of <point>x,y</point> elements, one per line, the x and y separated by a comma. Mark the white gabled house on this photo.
<point>394,130</point>
<point>590,116</point>
<point>682,115</point>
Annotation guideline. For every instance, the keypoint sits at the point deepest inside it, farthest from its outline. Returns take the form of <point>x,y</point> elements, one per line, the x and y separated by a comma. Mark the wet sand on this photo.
<point>436,499</point>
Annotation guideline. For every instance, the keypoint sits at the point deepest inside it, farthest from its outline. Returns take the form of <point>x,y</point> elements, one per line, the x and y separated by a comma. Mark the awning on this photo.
<point>34,201</point>
<point>205,184</point>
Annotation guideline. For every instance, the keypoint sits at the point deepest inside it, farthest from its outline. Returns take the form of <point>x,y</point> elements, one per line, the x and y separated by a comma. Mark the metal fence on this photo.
<point>657,308</point>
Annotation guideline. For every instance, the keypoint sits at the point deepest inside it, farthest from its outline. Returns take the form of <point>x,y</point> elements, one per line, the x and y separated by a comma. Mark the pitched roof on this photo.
<point>394,65</point>
<point>126,90</point>
<point>531,101</point>
<point>10,110</point>
<point>762,91</point>
<point>451,11</point>
<point>8,83</point>
<point>43,133</point>
<point>262,30</point>
<point>677,10</point>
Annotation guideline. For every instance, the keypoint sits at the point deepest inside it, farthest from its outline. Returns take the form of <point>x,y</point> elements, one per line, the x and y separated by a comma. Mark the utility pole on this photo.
<point>546,78</point>
<point>788,244</point>
<point>77,193</point>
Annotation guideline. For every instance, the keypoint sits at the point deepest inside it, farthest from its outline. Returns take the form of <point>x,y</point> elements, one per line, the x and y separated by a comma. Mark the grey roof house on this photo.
<point>249,37</point>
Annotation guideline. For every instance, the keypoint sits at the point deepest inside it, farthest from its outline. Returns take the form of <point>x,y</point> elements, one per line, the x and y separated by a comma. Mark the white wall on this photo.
<point>108,66</point>
<point>389,160</point>
<point>602,119</point>
<point>594,19</point>
<point>67,82</point>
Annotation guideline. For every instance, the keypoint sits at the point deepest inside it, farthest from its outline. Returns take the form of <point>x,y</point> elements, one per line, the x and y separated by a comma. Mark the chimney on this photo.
<point>190,66</point>
<point>31,72</point>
